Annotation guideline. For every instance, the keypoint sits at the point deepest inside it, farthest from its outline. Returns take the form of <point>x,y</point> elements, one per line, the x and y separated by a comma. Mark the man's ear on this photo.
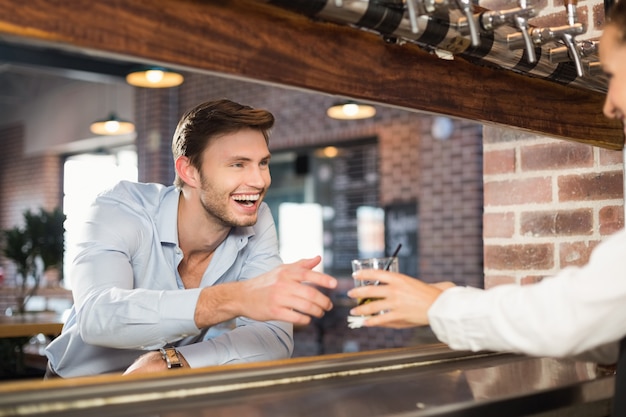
<point>187,172</point>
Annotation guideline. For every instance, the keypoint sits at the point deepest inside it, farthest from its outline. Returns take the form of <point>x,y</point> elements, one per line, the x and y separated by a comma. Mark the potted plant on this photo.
<point>34,248</point>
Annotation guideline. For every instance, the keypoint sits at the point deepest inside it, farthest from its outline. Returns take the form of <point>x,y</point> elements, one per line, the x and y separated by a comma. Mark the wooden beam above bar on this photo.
<point>255,41</point>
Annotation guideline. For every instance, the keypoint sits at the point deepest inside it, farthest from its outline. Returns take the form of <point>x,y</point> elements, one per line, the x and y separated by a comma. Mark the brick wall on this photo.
<point>451,206</point>
<point>156,113</point>
<point>26,182</point>
<point>548,203</point>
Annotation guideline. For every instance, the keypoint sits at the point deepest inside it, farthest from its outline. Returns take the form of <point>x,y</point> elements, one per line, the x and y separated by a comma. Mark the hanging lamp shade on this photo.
<point>154,77</point>
<point>112,125</point>
<point>350,110</point>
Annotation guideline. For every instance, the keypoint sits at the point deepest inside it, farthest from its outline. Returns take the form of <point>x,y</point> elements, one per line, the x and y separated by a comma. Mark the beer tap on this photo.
<point>585,48</point>
<point>412,7</point>
<point>517,17</point>
<point>416,8</point>
<point>468,10</point>
<point>566,34</point>
<point>568,37</point>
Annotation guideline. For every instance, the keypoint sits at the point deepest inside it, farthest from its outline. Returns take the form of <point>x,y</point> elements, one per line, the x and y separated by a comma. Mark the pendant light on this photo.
<point>154,77</point>
<point>350,110</point>
<point>111,126</point>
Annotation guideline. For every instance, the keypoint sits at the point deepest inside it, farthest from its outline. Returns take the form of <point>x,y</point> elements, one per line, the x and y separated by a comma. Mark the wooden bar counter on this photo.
<point>427,380</point>
<point>31,324</point>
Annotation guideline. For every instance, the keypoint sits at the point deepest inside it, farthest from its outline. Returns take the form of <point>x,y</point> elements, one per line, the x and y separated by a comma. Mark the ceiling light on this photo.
<point>442,128</point>
<point>350,110</point>
<point>154,77</point>
<point>112,125</point>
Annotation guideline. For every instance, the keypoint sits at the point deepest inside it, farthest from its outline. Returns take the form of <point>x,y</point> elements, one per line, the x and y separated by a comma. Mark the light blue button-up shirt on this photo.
<point>129,297</point>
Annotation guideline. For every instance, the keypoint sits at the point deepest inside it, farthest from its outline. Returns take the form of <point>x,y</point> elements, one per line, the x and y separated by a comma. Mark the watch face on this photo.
<point>170,355</point>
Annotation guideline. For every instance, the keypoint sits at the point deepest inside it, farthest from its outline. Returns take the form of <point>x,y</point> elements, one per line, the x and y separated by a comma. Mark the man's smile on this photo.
<point>247,200</point>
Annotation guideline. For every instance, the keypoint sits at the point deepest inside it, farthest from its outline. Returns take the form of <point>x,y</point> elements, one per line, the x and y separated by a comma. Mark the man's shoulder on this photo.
<point>144,194</point>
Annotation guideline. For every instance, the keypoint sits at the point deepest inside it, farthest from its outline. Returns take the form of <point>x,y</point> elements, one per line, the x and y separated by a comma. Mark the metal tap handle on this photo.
<point>565,34</point>
<point>568,38</point>
<point>412,10</point>
<point>571,45</point>
<point>468,11</point>
<point>519,18</point>
<point>522,24</point>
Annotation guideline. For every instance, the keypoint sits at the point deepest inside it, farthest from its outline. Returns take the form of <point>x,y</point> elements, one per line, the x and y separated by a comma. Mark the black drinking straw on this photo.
<point>390,260</point>
<point>395,254</point>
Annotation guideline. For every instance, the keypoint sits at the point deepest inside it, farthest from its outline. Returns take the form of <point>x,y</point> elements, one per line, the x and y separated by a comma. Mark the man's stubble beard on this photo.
<point>220,212</point>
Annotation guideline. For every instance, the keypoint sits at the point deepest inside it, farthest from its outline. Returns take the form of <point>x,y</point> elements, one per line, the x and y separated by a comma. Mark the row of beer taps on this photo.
<point>508,38</point>
<point>529,38</point>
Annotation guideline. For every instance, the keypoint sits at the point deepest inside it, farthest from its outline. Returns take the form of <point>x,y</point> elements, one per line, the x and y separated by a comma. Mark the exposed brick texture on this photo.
<point>518,190</point>
<point>576,253</point>
<point>611,219</point>
<point>500,161</point>
<point>557,223</point>
<point>592,186</point>
<point>499,225</point>
<point>560,203</point>
<point>555,156</point>
<point>519,257</point>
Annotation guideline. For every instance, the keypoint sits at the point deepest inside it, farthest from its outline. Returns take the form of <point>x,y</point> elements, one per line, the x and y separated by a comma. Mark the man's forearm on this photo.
<point>218,304</point>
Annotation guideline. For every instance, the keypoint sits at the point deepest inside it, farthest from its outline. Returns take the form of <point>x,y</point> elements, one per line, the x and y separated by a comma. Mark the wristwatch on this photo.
<point>171,358</point>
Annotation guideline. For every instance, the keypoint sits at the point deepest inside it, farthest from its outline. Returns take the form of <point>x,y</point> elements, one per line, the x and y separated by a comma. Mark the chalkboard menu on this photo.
<point>401,228</point>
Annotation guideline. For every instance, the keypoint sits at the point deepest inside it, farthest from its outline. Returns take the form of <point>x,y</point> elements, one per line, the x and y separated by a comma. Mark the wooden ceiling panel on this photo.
<point>256,41</point>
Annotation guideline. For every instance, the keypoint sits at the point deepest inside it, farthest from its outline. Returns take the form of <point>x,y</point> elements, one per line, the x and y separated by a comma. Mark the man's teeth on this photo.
<point>247,197</point>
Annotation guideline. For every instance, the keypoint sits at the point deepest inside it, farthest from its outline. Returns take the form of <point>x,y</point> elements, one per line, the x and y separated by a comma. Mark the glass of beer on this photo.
<point>387,263</point>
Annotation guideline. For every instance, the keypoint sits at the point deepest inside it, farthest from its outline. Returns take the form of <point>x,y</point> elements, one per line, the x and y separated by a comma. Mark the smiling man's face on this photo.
<point>235,176</point>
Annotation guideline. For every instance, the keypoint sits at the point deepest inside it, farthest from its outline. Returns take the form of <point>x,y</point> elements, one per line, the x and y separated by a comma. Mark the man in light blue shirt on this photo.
<point>162,267</point>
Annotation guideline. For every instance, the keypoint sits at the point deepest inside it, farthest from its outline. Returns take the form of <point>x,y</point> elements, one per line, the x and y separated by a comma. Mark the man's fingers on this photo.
<point>308,263</point>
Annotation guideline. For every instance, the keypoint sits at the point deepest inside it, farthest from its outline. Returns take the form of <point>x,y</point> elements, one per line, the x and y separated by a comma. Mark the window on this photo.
<point>338,191</point>
<point>84,177</point>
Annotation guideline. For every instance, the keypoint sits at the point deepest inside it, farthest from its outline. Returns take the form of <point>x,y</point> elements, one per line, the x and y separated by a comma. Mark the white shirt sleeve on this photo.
<point>573,312</point>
